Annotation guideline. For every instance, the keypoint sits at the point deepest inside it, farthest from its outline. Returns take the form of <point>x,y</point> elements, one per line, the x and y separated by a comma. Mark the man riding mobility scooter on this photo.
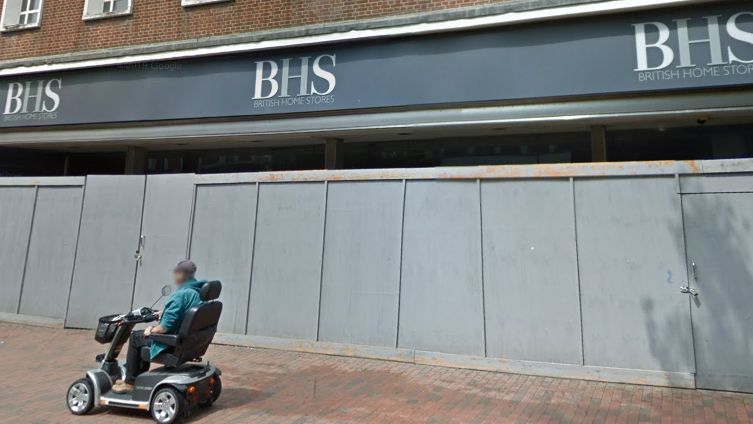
<point>168,392</point>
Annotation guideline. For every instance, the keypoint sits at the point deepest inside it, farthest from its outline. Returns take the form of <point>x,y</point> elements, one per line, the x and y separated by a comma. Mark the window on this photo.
<point>98,9</point>
<point>185,3</point>
<point>254,159</point>
<point>21,14</point>
<point>114,6</point>
<point>703,141</point>
<point>30,11</point>
<point>39,163</point>
<point>470,151</point>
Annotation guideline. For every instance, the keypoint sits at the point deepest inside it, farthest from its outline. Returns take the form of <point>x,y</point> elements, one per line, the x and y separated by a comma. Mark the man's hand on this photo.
<point>158,314</point>
<point>157,329</point>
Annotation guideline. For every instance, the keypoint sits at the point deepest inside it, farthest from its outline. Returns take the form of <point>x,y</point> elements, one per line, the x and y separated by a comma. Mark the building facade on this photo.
<point>235,86</point>
<point>548,187</point>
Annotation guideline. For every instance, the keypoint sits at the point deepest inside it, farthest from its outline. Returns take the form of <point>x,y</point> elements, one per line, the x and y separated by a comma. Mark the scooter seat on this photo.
<point>195,333</point>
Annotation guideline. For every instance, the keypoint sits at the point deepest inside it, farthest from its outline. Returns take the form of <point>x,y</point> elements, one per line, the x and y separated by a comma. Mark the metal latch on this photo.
<point>688,290</point>
<point>139,255</point>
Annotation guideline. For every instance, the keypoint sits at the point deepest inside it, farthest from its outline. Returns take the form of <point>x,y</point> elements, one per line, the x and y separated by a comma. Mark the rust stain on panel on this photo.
<point>575,170</point>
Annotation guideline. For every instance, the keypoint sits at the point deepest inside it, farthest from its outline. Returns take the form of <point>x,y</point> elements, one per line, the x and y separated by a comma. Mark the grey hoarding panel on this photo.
<point>573,57</point>
<point>222,246</point>
<point>361,271</point>
<point>530,271</point>
<point>719,231</point>
<point>632,263</point>
<point>52,249</point>
<point>717,183</point>
<point>105,267</point>
<point>441,295</point>
<point>16,210</point>
<point>287,265</point>
<point>165,225</point>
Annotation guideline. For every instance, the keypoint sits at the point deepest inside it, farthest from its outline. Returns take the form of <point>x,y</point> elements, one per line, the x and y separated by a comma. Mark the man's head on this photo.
<point>184,271</point>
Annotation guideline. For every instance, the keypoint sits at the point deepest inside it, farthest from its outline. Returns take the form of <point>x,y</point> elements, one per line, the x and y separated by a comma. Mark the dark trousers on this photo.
<point>134,364</point>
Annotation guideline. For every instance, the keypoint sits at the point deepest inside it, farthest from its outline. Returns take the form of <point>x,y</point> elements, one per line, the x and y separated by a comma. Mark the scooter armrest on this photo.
<point>168,339</point>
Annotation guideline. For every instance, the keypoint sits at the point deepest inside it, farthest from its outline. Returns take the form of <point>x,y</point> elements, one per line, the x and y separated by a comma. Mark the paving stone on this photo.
<point>268,386</point>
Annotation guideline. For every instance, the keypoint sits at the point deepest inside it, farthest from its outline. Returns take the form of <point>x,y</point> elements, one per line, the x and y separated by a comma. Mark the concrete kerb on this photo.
<point>31,320</point>
<point>417,357</point>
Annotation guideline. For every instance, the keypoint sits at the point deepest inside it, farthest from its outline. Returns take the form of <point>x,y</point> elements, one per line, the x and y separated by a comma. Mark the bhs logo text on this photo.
<point>313,81</point>
<point>720,51</point>
<point>33,100</point>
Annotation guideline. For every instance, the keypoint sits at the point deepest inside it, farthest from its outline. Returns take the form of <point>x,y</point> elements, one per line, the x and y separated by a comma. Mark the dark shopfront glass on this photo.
<point>41,163</point>
<point>257,159</point>
<point>690,142</point>
<point>502,150</point>
<point>684,143</point>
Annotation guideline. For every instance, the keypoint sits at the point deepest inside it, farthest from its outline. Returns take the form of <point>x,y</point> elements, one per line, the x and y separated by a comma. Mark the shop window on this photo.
<point>39,163</point>
<point>697,142</point>
<point>21,14</point>
<point>16,162</point>
<point>185,3</point>
<point>256,159</point>
<point>98,9</point>
<point>95,163</point>
<point>503,150</point>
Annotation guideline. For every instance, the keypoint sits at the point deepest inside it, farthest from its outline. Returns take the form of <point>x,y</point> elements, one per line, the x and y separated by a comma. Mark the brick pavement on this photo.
<point>266,386</point>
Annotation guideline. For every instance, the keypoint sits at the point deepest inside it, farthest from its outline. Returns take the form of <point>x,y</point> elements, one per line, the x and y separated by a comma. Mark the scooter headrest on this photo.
<point>210,291</point>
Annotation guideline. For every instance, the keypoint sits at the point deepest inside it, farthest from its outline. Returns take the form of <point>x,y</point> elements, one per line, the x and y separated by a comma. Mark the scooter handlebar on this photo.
<point>139,315</point>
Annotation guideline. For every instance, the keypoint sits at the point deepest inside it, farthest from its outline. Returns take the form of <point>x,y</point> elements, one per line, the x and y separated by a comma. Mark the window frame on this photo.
<point>192,3</point>
<point>104,15</point>
<point>19,26</point>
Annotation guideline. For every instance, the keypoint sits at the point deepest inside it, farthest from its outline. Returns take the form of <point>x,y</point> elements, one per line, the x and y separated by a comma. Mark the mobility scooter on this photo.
<point>169,392</point>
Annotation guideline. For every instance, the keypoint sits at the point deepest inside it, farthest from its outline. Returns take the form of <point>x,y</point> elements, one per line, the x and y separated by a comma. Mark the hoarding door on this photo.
<point>719,237</point>
<point>164,234</point>
<point>104,270</point>
<point>631,261</point>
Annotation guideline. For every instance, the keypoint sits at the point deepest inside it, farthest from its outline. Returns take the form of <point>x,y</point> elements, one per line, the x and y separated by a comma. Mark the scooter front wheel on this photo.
<point>168,406</point>
<point>80,397</point>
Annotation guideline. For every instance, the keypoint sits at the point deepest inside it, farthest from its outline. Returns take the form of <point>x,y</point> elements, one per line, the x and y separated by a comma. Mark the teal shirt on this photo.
<point>176,307</point>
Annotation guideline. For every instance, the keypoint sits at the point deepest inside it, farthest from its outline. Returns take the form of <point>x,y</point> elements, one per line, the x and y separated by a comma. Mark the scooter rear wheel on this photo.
<point>80,397</point>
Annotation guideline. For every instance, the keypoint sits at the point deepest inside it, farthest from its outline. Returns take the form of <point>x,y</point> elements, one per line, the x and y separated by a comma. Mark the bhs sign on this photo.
<point>721,50</point>
<point>313,80</point>
<point>33,100</point>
